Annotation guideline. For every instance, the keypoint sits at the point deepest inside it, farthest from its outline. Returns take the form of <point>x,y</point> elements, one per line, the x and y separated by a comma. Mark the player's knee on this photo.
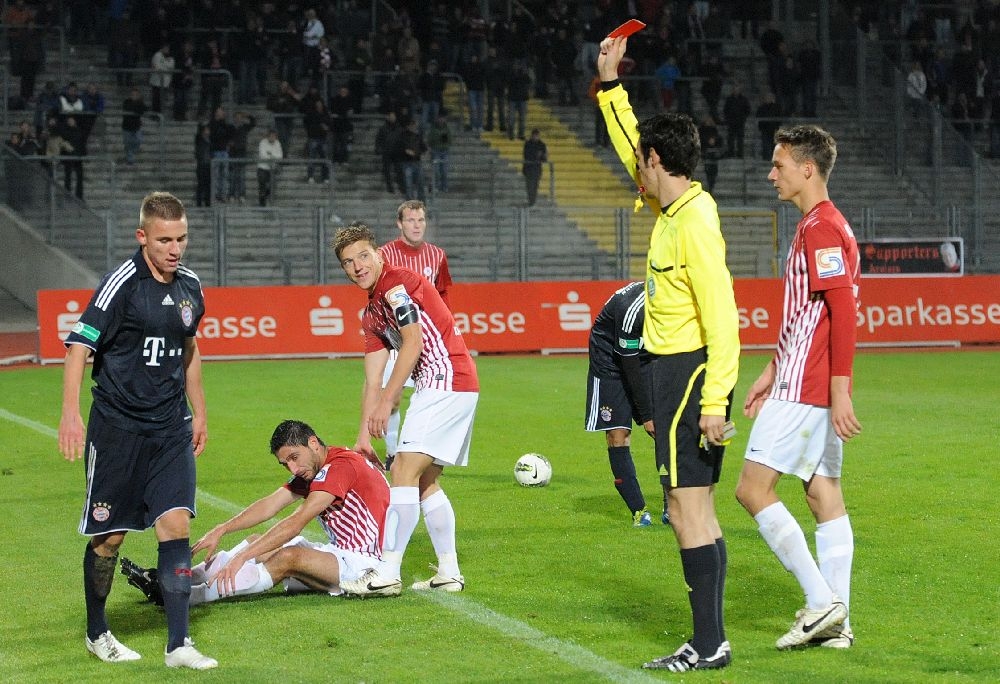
<point>743,494</point>
<point>107,545</point>
<point>618,437</point>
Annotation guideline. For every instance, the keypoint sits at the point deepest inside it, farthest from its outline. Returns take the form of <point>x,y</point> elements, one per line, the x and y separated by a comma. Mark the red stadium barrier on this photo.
<point>323,320</point>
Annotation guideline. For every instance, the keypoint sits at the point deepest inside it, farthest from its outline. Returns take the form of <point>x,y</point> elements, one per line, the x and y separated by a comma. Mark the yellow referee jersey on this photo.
<point>689,291</point>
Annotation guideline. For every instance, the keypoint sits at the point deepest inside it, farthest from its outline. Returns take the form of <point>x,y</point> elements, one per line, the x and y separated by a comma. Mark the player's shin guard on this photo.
<point>439,516</point>
<point>623,468</point>
<point>701,573</point>
<point>835,554</point>
<point>392,433</point>
<point>400,521</point>
<point>720,544</point>
<point>98,575</point>
<point>174,573</point>
<point>783,534</point>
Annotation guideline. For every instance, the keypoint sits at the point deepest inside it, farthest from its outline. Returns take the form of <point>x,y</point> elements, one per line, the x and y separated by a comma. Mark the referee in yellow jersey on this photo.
<point>691,330</point>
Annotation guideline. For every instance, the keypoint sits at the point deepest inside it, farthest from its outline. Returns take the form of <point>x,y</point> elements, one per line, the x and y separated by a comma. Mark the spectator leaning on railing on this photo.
<point>268,150</point>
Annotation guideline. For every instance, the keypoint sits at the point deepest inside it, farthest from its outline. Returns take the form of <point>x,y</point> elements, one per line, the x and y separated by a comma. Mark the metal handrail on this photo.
<point>201,73</point>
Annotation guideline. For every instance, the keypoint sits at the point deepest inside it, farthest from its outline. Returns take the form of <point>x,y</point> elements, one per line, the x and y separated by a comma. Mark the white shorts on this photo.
<point>351,563</point>
<point>796,439</point>
<point>390,364</point>
<point>439,423</point>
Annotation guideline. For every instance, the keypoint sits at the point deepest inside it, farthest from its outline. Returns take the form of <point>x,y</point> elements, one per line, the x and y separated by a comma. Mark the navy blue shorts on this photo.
<point>134,479</point>
<point>681,461</point>
<point>609,405</point>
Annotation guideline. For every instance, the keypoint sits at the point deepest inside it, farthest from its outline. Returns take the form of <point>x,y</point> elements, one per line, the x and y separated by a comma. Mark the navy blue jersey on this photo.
<point>617,330</point>
<point>137,328</point>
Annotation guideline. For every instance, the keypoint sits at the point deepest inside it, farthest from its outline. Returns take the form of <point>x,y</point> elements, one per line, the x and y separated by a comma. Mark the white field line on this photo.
<point>570,653</point>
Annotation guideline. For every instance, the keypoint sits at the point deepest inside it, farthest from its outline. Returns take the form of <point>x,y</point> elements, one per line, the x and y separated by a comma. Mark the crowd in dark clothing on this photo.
<point>320,65</point>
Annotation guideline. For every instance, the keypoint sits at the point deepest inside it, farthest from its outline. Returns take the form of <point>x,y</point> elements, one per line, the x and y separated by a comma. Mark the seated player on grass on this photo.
<point>343,490</point>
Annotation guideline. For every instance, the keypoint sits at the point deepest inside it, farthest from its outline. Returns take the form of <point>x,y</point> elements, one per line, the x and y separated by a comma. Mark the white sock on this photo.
<point>439,517</point>
<point>295,586</point>
<point>250,579</point>
<point>204,572</point>
<point>783,534</point>
<point>392,433</point>
<point>400,521</point>
<point>835,552</point>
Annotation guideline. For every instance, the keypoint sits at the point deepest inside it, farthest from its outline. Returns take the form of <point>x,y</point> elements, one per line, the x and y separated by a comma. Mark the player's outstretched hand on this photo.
<point>225,579</point>
<point>368,451</point>
<point>208,543</point>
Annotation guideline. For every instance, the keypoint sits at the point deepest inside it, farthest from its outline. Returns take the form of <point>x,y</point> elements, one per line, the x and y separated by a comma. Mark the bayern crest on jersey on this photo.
<point>187,313</point>
<point>606,414</point>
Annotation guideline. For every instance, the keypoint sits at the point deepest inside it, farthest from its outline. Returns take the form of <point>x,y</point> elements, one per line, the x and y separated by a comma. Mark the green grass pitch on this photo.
<point>560,587</point>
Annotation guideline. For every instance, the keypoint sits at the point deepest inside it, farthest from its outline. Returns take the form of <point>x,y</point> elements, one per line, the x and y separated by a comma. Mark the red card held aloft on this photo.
<point>627,29</point>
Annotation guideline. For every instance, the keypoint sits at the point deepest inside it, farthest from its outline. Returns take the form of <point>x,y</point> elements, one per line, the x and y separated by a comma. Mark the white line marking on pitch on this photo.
<point>568,652</point>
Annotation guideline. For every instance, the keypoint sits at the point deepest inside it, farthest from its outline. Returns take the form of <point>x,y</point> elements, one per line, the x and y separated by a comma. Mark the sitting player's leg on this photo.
<point>317,568</point>
<point>258,575</point>
<point>207,569</point>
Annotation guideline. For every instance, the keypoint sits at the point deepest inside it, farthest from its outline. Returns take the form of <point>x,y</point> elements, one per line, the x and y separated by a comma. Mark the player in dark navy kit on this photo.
<point>618,392</point>
<point>141,437</point>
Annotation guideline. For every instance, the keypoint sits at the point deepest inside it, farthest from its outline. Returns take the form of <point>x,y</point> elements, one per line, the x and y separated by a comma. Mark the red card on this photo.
<point>627,29</point>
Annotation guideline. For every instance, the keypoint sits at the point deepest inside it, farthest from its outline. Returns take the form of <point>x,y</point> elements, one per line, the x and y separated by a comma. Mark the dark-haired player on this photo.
<point>141,437</point>
<point>691,332</point>
<point>406,313</point>
<point>340,488</point>
<point>802,400</point>
<point>617,391</point>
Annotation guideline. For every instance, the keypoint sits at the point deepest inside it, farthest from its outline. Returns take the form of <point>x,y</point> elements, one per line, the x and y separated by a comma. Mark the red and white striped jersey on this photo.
<point>355,521</point>
<point>445,362</point>
<point>427,260</point>
<point>823,256</point>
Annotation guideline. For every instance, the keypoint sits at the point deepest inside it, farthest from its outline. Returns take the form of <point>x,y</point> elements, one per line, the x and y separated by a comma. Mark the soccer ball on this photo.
<point>533,470</point>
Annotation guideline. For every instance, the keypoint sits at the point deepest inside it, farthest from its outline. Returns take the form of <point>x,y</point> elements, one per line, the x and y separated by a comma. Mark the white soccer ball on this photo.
<point>533,470</point>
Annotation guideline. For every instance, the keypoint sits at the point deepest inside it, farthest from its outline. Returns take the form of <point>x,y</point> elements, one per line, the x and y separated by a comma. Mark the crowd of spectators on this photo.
<point>320,65</point>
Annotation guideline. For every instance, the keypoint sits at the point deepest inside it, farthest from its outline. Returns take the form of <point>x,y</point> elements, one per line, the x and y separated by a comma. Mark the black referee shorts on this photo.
<point>134,479</point>
<point>677,381</point>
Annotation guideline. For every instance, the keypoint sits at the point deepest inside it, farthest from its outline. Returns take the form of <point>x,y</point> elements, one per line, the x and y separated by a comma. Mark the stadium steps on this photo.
<point>583,186</point>
<point>473,222</point>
